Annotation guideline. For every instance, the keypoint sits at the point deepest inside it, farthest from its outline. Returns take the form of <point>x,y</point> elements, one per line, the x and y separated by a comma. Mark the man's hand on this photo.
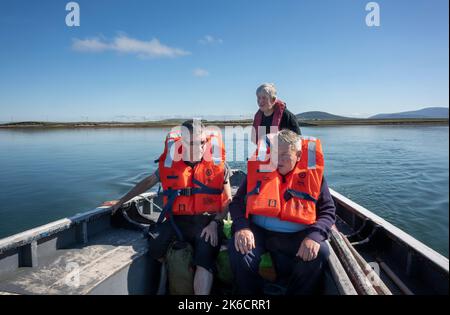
<point>308,249</point>
<point>244,241</point>
<point>210,233</point>
<point>114,204</point>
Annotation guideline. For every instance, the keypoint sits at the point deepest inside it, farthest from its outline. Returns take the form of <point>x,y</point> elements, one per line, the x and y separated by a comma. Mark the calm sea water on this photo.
<point>399,172</point>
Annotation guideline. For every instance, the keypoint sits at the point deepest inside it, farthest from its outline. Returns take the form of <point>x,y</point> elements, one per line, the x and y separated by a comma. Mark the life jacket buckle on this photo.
<point>185,192</point>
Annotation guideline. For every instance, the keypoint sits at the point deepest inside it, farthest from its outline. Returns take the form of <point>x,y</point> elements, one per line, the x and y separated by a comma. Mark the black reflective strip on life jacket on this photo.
<point>298,194</point>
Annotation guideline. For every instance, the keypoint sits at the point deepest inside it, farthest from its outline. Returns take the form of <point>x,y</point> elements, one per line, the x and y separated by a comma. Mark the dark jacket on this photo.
<point>325,213</point>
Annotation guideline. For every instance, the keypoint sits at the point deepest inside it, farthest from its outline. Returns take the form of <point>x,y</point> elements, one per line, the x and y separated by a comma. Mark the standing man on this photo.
<point>272,114</point>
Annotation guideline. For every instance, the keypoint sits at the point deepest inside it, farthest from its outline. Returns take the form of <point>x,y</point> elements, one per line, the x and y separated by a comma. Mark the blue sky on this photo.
<point>151,59</point>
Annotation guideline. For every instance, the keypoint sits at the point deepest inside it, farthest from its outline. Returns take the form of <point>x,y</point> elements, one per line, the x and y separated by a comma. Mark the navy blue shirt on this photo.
<point>325,213</point>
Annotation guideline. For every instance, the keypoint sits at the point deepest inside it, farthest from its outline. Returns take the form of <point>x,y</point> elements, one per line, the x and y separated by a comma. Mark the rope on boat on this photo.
<point>357,232</point>
<point>368,238</point>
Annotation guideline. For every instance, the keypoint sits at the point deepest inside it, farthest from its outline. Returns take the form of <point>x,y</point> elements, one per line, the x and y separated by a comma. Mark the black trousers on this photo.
<point>162,235</point>
<point>300,277</point>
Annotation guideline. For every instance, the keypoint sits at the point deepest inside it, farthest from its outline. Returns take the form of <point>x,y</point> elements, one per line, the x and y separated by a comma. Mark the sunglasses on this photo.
<point>192,143</point>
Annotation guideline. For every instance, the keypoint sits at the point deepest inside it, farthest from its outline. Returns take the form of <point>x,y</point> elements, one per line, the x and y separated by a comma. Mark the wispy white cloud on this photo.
<point>89,45</point>
<point>127,45</point>
<point>208,39</point>
<point>200,72</point>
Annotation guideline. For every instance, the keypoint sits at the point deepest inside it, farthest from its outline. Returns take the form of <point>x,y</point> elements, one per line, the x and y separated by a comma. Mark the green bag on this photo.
<point>266,261</point>
<point>180,268</point>
<point>227,228</point>
<point>223,263</point>
<point>224,273</point>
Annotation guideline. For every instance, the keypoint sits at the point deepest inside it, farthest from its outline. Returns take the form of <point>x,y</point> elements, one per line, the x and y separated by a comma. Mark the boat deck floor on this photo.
<point>79,269</point>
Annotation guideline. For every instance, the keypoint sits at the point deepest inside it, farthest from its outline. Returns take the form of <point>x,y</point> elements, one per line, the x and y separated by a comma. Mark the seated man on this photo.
<point>283,207</point>
<point>196,190</point>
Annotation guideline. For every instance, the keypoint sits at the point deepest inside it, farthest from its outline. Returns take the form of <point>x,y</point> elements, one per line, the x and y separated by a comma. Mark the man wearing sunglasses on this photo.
<point>196,189</point>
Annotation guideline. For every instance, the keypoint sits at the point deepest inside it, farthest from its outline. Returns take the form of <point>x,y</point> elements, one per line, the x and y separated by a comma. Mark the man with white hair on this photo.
<point>272,112</point>
<point>284,207</point>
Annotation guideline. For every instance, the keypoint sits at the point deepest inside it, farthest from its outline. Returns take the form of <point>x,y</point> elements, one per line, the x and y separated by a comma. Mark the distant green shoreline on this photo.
<point>175,122</point>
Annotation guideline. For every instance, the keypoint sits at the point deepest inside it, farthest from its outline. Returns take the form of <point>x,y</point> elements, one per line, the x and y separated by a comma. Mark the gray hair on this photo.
<point>192,124</point>
<point>267,89</point>
<point>289,137</point>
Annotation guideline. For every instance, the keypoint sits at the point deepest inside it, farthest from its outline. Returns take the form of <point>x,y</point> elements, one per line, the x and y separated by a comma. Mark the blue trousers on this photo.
<point>298,276</point>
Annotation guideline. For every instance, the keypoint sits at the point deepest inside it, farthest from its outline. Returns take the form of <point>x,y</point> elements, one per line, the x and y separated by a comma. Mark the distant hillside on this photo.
<point>429,112</point>
<point>316,115</point>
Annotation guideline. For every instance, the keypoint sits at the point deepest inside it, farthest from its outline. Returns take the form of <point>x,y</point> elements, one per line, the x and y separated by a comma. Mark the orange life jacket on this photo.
<point>292,197</point>
<point>193,190</point>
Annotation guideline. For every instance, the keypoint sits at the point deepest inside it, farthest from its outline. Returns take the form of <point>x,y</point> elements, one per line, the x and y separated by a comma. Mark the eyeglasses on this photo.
<point>195,143</point>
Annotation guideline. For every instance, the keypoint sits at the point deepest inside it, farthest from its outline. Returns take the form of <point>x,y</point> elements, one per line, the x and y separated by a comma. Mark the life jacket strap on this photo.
<point>298,194</point>
<point>203,189</point>
<point>189,191</point>
<point>171,195</point>
<point>255,190</point>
